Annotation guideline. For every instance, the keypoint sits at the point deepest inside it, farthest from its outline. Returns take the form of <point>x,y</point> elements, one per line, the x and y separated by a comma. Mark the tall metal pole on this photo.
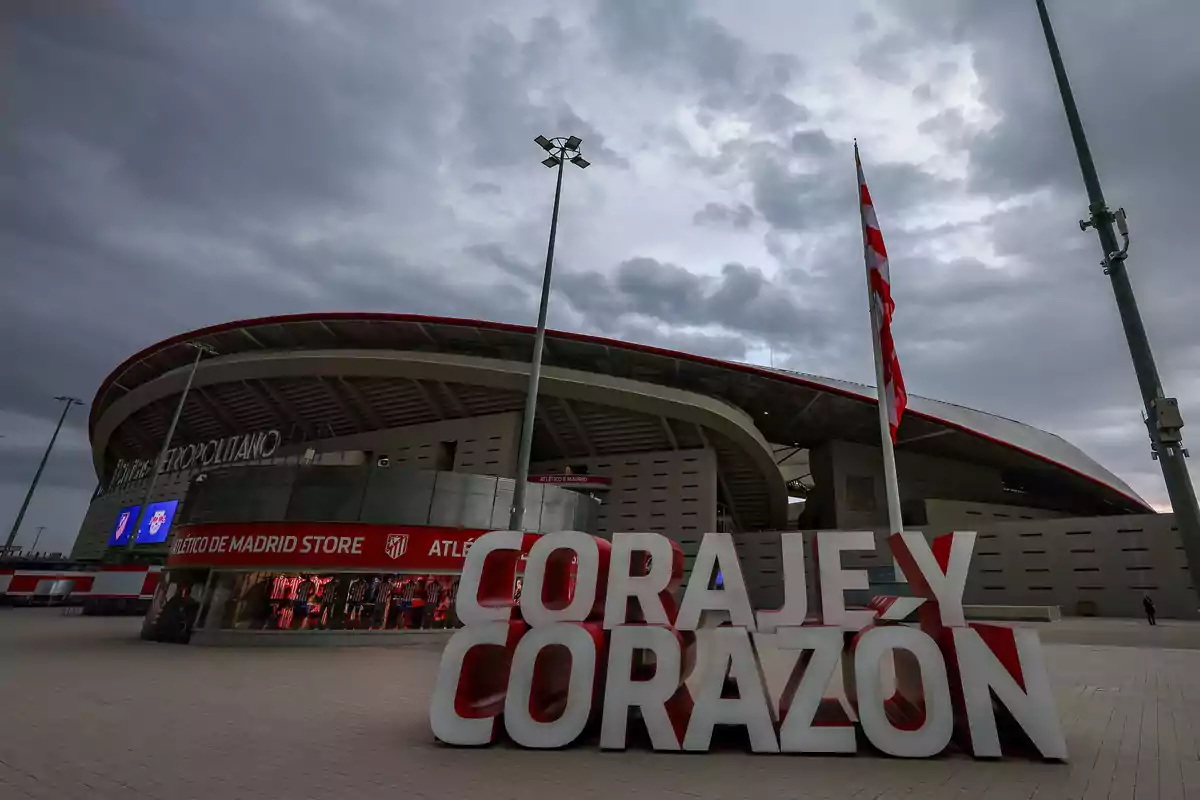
<point>517,513</point>
<point>201,349</point>
<point>1163,420</point>
<point>37,476</point>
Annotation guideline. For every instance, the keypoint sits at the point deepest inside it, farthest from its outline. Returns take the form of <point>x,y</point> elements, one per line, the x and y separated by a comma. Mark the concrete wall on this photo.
<point>672,492</point>
<point>1109,562</point>
<point>1105,562</point>
<point>942,516</point>
<point>485,446</point>
<point>849,480</point>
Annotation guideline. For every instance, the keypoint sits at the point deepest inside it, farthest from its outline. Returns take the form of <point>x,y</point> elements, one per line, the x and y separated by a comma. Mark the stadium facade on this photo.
<point>329,471</point>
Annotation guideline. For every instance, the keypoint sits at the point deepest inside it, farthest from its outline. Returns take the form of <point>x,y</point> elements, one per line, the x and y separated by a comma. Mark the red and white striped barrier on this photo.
<point>25,582</point>
<point>136,581</point>
<point>132,581</point>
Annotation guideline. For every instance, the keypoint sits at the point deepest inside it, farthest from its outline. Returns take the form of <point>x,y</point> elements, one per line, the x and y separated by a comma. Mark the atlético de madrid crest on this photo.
<point>396,545</point>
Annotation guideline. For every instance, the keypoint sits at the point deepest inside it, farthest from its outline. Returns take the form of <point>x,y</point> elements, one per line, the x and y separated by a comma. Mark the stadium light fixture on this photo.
<point>561,151</point>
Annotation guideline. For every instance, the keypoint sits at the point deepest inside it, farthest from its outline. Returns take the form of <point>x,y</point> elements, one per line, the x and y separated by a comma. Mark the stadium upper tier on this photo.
<point>335,374</point>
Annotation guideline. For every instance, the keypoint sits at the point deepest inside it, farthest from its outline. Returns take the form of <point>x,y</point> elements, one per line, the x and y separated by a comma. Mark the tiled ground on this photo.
<point>89,711</point>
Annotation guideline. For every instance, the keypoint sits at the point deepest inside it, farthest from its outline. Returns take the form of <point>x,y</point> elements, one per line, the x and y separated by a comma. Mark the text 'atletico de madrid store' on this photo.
<point>229,579</point>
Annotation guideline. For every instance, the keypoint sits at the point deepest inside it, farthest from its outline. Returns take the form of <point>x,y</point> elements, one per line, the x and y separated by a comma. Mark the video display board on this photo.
<point>156,522</point>
<point>126,518</point>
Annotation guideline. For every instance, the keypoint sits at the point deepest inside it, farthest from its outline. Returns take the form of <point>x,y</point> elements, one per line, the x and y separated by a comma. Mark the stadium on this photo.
<point>329,471</point>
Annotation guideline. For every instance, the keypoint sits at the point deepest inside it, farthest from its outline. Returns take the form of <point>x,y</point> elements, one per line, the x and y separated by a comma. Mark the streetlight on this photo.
<point>1163,420</point>
<point>201,349</point>
<point>560,151</point>
<point>37,476</point>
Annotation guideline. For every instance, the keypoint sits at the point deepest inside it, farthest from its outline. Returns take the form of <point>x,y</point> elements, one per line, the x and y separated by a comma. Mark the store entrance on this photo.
<point>347,601</point>
<point>176,606</point>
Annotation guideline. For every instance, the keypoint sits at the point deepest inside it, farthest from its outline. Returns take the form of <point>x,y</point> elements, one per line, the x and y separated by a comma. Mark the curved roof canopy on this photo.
<point>788,408</point>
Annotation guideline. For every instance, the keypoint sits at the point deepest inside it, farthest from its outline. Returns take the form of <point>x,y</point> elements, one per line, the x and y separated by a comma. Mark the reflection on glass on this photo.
<point>175,607</point>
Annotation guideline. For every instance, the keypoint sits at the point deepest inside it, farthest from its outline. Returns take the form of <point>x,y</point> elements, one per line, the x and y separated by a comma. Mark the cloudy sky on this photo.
<point>167,165</point>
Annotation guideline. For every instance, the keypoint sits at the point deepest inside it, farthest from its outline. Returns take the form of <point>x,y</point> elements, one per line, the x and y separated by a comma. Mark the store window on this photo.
<point>302,601</point>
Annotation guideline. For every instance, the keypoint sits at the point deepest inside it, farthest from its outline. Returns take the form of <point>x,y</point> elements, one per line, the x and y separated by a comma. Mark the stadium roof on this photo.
<point>788,408</point>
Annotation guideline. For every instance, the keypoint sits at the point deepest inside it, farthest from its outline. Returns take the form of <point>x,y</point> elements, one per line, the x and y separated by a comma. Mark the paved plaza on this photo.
<point>90,711</point>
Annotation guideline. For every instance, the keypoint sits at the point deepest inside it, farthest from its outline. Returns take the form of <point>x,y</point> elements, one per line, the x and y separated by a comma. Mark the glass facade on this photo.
<point>379,495</point>
<point>175,607</point>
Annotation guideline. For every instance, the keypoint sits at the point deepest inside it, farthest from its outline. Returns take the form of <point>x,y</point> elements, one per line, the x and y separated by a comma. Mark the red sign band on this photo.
<point>325,546</point>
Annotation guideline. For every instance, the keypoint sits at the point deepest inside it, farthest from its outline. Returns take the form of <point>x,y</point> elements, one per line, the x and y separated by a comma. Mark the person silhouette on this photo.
<point>1148,605</point>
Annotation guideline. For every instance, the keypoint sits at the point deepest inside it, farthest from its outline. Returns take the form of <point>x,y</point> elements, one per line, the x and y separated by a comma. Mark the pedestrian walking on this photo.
<point>1148,605</point>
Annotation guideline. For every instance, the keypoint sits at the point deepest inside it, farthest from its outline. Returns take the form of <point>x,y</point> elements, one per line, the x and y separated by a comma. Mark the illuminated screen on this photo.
<point>156,522</point>
<point>126,518</point>
<point>720,584</point>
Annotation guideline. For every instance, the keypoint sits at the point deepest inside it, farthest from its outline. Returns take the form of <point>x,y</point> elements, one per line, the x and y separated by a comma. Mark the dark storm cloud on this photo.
<point>799,179</point>
<point>924,92</point>
<point>165,164</point>
<point>948,126</point>
<point>171,165</point>
<point>1143,93</point>
<point>371,279</point>
<point>777,112</point>
<point>865,22</point>
<point>797,201</point>
<point>742,300</point>
<point>262,108</point>
<point>739,216</point>
<point>690,53</point>
<point>495,254</point>
<point>142,156</point>
<point>64,468</point>
<point>498,112</point>
<point>815,143</point>
<point>164,158</point>
<point>793,195</point>
<point>669,36</point>
<point>1063,345</point>
<point>886,57</point>
<point>730,347</point>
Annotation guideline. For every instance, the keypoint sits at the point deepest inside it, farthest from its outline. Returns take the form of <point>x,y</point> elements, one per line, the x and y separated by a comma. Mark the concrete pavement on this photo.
<point>92,712</point>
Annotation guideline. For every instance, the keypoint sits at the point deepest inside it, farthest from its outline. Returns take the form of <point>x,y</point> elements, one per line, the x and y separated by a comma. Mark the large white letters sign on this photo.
<point>602,643</point>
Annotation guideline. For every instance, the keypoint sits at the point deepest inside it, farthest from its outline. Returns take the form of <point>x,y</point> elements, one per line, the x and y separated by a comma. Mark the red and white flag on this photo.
<point>880,285</point>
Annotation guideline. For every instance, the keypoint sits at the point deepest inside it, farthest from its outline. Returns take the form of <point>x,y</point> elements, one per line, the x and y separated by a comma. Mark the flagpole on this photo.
<point>891,484</point>
<point>895,522</point>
